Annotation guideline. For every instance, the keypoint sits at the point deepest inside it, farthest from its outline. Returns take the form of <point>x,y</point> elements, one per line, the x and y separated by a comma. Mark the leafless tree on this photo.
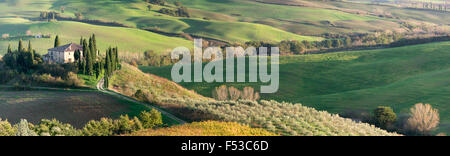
<point>423,119</point>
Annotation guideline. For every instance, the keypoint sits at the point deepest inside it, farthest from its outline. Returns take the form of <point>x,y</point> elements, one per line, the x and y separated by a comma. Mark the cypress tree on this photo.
<point>29,55</point>
<point>106,82</point>
<point>84,49</point>
<point>83,66</point>
<point>21,57</point>
<point>117,58</point>
<point>89,63</point>
<point>94,45</point>
<point>76,55</point>
<point>30,49</point>
<point>57,43</point>
<point>112,59</point>
<point>20,48</point>
<point>97,69</point>
<point>80,66</point>
<point>9,49</point>
<point>91,44</point>
<point>108,62</point>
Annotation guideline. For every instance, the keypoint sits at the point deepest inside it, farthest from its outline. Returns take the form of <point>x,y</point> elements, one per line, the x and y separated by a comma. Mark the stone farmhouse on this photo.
<point>63,54</point>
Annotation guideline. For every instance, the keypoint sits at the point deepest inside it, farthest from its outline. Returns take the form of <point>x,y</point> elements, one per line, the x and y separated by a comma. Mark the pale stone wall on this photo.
<point>61,57</point>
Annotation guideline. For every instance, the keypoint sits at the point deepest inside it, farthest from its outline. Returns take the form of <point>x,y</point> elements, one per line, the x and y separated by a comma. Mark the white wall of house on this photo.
<point>61,57</point>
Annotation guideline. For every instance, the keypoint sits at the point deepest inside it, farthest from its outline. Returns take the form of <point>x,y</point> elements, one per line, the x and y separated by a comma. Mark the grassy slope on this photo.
<point>127,39</point>
<point>134,13</point>
<point>14,20</point>
<point>301,20</point>
<point>129,79</point>
<point>360,80</point>
<point>209,128</point>
<point>173,97</point>
<point>437,17</point>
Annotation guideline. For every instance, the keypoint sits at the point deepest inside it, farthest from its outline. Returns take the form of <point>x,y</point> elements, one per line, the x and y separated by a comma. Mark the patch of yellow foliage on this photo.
<point>206,128</point>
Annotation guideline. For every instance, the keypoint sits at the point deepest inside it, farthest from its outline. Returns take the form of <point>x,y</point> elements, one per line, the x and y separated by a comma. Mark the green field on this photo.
<point>127,39</point>
<point>360,80</point>
<point>134,13</point>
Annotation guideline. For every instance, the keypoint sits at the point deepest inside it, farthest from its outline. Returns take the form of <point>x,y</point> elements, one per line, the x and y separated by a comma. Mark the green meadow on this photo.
<point>135,13</point>
<point>128,39</point>
<point>344,82</point>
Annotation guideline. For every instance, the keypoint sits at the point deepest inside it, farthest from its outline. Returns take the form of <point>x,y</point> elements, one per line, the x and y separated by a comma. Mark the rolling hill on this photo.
<point>285,119</point>
<point>359,80</point>
<point>128,39</point>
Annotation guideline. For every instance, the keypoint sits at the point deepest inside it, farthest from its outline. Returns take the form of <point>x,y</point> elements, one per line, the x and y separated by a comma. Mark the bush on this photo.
<point>224,93</point>
<point>423,119</point>
<point>235,94</point>
<point>72,80</point>
<point>157,2</point>
<point>250,94</point>
<point>6,129</point>
<point>384,117</point>
<point>441,134</point>
<point>55,128</point>
<point>179,12</point>
<point>220,93</point>
<point>104,127</point>
<point>24,130</point>
<point>126,125</point>
<point>151,119</point>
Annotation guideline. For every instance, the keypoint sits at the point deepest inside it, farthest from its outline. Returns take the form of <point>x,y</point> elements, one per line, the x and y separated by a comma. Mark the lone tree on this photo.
<point>57,42</point>
<point>384,117</point>
<point>423,119</point>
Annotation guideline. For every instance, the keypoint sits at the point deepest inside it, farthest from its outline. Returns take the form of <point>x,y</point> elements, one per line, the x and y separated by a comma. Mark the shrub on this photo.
<point>104,127</point>
<point>221,93</point>
<point>151,119</point>
<point>140,95</point>
<point>250,94</point>
<point>6,129</point>
<point>384,117</point>
<point>441,134</point>
<point>55,128</point>
<point>24,130</point>
<point>126,125</point>
<point>145,96</point>
<point>423,119</point>
<point>177,3</point>
<point>157,2</point>
<point>235,94</point>
<point>72,80</point>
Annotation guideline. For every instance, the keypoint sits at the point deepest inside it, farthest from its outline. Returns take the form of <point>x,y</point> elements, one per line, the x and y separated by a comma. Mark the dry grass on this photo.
<point>129,79</point>
<point>208,128</point>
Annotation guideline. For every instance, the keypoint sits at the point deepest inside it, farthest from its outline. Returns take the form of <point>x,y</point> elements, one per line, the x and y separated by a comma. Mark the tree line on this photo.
<point>88,62</point>
<point>103,127</point>
<point>23,59</point>
<point>180,10</point>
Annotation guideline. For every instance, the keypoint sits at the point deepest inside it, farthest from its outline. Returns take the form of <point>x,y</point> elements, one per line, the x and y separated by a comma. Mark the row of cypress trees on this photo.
<point>88,62</point>
<point>111,64</point>
<point>22,59</point>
